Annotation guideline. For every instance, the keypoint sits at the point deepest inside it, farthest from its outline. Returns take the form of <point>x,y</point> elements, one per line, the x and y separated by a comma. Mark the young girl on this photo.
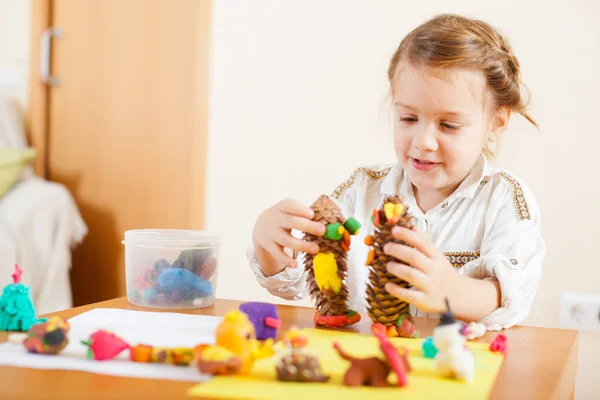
<point>454,83</point>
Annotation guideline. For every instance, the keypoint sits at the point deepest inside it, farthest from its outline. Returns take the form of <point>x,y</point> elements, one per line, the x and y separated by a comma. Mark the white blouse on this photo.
<point>488,228</point>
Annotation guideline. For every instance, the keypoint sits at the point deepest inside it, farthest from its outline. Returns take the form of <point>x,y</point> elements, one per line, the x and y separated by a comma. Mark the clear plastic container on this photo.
<point>171,268</point>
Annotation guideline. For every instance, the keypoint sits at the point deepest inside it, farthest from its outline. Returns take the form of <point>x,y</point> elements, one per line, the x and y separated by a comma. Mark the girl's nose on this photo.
<point>425,139</point>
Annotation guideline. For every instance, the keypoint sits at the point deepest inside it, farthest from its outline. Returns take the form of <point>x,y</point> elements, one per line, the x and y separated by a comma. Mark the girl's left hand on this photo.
<point>428,271</point>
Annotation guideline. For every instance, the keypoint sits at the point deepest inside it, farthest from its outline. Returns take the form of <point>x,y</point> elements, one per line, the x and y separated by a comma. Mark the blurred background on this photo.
<point>201,114</point>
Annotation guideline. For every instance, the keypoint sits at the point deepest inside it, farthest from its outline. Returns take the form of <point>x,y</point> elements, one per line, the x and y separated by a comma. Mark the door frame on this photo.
<point>36,119</point>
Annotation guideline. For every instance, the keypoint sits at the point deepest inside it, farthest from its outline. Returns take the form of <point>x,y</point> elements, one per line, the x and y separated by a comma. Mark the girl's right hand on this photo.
<point>272,233</point>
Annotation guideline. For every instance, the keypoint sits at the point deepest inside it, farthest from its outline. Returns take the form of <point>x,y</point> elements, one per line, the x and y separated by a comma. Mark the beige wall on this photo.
<point>297,104</point>
<point>298,101</point>
<point>14,49</point>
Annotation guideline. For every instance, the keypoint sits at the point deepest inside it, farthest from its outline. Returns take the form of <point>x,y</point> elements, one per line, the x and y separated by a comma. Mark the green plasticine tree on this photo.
<point>17,312</point>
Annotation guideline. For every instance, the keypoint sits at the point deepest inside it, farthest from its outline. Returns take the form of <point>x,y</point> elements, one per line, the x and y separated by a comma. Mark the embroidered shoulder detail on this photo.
<point>376,175</point>
<point>485,180</point>
<point>518,197</point>
<point>460,258</point>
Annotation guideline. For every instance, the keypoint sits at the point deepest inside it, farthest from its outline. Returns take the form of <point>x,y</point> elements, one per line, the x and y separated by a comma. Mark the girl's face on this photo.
<point>441,127</point>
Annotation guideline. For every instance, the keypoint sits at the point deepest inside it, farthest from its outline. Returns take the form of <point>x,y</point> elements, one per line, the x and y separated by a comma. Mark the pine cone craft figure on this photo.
<point>327,270</point>
<point>382,307</point>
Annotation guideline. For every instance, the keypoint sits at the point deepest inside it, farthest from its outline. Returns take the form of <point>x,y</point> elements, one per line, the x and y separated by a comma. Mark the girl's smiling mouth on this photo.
<point>423,165</point>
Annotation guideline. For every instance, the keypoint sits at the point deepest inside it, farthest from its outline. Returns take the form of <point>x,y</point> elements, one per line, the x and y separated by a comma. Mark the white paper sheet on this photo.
<point>135,327</point>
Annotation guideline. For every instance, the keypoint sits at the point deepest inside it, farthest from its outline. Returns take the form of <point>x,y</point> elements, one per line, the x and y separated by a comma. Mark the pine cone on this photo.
<point>330,302</point>
<point>383,307</point>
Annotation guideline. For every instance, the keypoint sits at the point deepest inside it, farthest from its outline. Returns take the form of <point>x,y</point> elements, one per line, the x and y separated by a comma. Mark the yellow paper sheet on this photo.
<point>423,381</point>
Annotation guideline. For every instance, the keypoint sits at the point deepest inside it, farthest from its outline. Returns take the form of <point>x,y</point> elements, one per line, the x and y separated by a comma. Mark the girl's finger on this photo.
<point>411,296</point>
<point>277,252</point>
<point>415,239</point>
<point>411,275</point>
<point>304,225</point>
<point>287,240</point>
<point>294,207</point>
<point>408,255</point>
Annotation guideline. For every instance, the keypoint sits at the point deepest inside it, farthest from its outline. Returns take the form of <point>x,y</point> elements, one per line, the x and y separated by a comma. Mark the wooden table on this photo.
<point>540,363</point>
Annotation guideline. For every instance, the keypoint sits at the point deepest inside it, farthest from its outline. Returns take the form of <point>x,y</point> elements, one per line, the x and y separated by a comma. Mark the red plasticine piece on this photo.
<point>336,321</point>
<point>392,355</point>
<point>104,345</point>
<point>17,274</point>
<point>273,323</point>
<point>379,327</point>
<point>499,344</point>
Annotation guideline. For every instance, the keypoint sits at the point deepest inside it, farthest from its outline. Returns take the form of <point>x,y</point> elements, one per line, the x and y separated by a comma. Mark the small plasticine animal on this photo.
<point>453,359</point>
<point>264,317</point>
<point>236,348</point>
<point>298,366</point>
<point>373,371</point>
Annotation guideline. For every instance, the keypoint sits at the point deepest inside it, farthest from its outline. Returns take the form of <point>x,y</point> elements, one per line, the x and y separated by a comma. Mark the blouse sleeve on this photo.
<point>290,283</point>
<point>512,252</point>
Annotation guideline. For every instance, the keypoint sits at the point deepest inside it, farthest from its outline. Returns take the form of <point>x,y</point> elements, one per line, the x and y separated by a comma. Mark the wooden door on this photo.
<point>127,124</point>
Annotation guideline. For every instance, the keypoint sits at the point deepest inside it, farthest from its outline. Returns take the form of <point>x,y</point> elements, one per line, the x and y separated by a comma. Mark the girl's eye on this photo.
<point>409,120</point>
<point>450,126</point>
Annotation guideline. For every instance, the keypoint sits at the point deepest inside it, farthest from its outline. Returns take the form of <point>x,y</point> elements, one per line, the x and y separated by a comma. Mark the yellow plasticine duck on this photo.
<point>235,339</point>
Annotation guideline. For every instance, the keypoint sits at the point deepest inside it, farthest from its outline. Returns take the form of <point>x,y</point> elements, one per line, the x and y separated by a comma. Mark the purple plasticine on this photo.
<point>257,313</point>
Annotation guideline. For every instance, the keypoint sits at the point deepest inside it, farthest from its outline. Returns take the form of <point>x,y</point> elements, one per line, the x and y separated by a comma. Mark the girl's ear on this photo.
<point>501,120</point>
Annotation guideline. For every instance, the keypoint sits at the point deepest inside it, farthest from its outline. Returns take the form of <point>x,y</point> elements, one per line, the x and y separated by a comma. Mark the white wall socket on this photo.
<point>580,312</point>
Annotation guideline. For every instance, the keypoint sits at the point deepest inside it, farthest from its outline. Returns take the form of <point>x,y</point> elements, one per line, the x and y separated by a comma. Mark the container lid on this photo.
<point>171,238</point>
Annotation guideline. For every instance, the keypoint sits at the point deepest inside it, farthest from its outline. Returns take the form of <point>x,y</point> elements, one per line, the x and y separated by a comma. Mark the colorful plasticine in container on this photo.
<point>171,269</point>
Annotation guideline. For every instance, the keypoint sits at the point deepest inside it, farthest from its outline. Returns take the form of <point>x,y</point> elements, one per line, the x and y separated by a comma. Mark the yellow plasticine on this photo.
<point>326,272</point>
<point>423,380</point>
<point>216,353</point>
<point>389,209</point>
<point>399,209</point>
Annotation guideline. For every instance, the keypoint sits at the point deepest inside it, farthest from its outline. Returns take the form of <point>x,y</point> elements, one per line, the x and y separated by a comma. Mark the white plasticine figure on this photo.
<point>453,359</point>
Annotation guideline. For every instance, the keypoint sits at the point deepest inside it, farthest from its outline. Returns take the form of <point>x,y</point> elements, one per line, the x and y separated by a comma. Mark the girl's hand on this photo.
<point>428,271</point>
<point>272,233</point>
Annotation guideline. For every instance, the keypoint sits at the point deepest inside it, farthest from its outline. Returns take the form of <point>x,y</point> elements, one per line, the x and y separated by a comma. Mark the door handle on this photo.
<point>45,49</point>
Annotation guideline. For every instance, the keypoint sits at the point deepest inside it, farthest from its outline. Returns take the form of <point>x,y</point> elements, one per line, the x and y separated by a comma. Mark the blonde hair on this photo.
<point>448,41</point>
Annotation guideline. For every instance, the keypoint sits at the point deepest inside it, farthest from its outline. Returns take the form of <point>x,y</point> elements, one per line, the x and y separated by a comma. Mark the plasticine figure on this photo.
<point>264,317</point>
<point>453,359</point>
<point>236,348</point>
<point>297,366</point>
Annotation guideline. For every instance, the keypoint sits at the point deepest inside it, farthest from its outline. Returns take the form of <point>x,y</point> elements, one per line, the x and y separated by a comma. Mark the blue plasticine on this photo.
<point>183,281</point>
